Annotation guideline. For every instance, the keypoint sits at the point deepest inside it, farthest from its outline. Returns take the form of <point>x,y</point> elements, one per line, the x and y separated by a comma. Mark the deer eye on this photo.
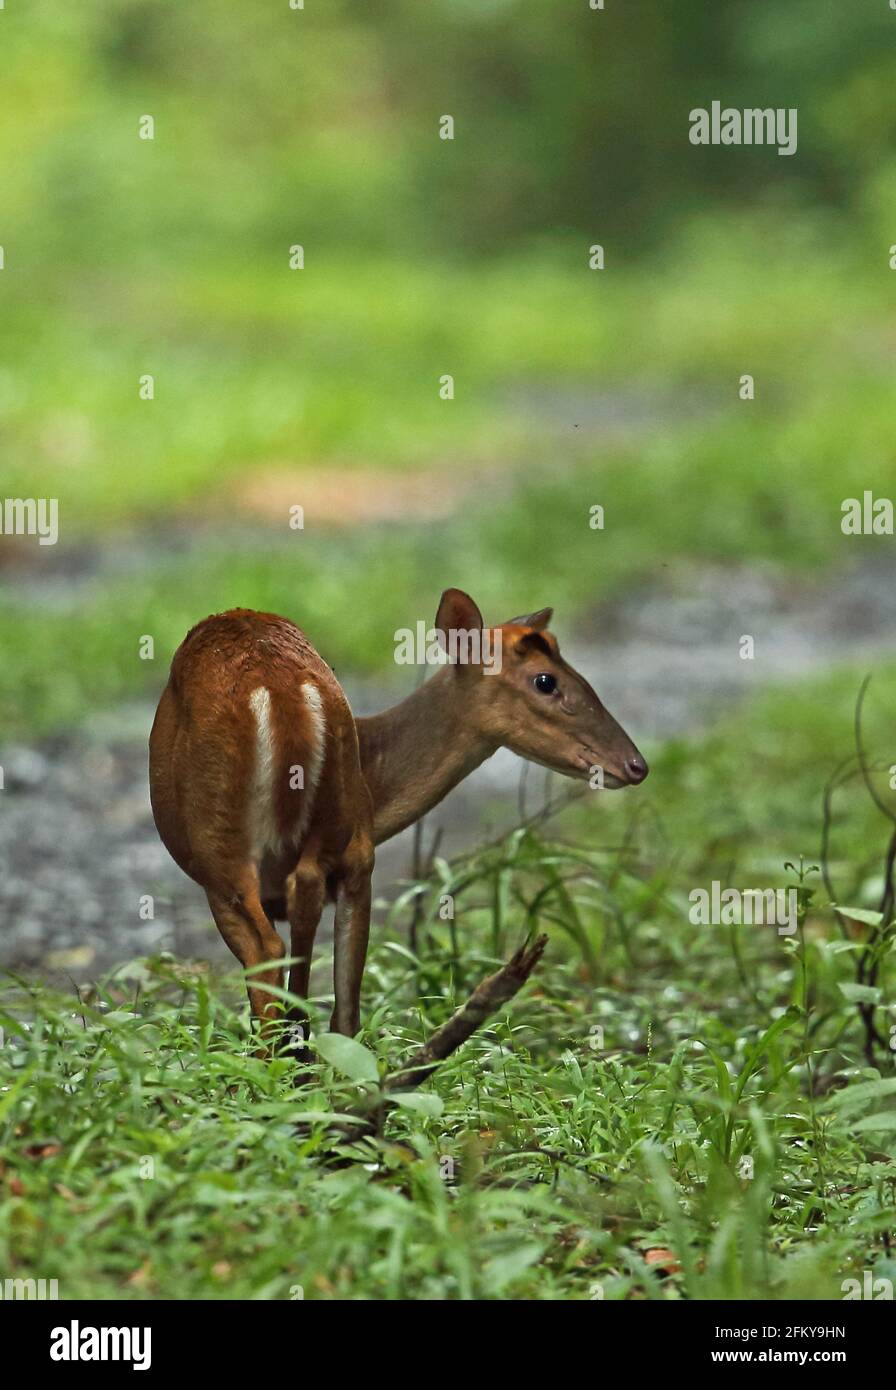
<point>545,683</point>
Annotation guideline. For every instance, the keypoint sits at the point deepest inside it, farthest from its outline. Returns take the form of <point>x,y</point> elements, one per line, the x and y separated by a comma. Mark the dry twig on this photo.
<point>486,999</point>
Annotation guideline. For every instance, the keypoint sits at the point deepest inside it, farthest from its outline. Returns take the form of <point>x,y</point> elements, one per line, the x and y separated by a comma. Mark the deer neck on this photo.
<point>414,753</point>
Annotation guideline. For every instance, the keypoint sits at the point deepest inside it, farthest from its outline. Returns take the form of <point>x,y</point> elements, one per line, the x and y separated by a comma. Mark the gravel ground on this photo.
<point>78,849</point>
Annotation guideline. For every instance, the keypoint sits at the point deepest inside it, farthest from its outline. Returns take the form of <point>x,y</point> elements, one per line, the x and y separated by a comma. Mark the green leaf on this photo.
<point>860,994</point>
<point>203,1013</point>
<point>723,1076</point>
<point>755,1053</point>
<point>859,914</point>
<point>885,1120</point>
<point>426,1104</point>
<point>854,1097</point>
<point>352,1058</point>
<point>8,1100</point>
<point>502,1269</point>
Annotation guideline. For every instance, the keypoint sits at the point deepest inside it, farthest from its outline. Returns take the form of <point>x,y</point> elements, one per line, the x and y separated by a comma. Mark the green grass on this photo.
<point>649,1090</point>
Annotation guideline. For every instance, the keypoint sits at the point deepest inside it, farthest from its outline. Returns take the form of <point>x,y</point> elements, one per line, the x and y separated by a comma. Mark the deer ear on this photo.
<point>458,613</point>
<point>536,621</point>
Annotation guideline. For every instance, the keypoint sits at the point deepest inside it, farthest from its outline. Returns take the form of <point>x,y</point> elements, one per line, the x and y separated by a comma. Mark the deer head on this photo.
<point>519,693</point>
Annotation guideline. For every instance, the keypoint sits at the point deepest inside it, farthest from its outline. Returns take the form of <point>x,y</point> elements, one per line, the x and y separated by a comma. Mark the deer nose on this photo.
<point>636,768</point>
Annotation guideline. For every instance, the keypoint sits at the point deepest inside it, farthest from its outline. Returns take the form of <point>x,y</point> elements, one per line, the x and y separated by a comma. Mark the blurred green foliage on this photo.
<point>319,127</point>
<point>275,127</point>
<point>271,121</point>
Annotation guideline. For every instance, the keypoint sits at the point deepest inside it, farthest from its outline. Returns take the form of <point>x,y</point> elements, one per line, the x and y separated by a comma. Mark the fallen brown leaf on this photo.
<point>142,1276</point>
<point>663,1260</point>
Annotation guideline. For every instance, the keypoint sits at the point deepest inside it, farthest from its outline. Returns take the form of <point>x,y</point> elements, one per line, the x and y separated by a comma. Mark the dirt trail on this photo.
<point>78,849</point>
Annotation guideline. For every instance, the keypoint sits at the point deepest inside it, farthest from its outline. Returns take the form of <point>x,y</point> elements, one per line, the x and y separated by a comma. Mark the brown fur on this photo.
<point>378,775</point>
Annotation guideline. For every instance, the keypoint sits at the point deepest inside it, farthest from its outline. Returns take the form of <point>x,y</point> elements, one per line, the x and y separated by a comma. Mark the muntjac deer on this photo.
<point>271,795</point>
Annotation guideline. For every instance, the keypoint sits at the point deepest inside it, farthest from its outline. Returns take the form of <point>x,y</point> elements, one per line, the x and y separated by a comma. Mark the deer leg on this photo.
<point>305,896</point>
<point>252,938</point>
<point>351,932</point>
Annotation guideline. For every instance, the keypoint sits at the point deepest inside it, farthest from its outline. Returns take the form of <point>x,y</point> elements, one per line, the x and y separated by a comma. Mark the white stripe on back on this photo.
<point>315,704</point>
<point>264,832</point>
